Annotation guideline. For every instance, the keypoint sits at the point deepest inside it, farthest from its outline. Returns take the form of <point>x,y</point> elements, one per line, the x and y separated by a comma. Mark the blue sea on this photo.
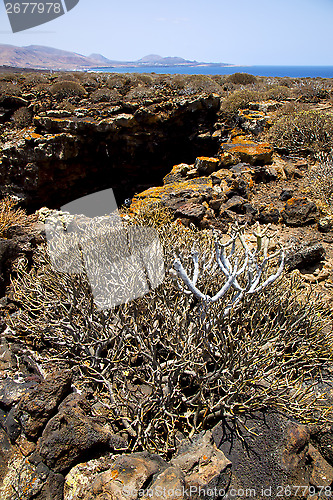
<point>216,69</point>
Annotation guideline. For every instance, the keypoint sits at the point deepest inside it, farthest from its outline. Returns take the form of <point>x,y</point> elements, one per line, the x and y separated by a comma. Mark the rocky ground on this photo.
<point>174,141</point>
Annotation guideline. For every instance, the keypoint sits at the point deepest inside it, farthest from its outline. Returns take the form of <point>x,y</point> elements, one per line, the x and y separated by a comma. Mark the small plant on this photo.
<point>310,130</point>
<point>242,79</point>
<point>321,178</point>
<point>192,84</point>
<point>278,93</point>
<point>22,117</point>
<point>239,99</point>
<point>10,217</point>
<point>9,89</point>
<point>250,269</point>
<point>105,94</point>
<point>139,93</point>
<point>65,89</point>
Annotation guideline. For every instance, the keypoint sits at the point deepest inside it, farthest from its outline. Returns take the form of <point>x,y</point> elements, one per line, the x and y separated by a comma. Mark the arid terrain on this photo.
<point>202,394</point>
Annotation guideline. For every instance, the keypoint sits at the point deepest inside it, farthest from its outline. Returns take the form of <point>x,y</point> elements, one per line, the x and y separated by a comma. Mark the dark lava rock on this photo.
<point>235,204</point>
<point>269,214</point>
<point>193,211</point>
<point>264,174</point>
<point>206,165</point>
<point>302,255</point>
<point>325,224</point>
<point>273,454</point>
<point>299,212</point>
<point>241,168</point>
<point>250,210</point>
<point>39,404</point>
<point>286,194</point>
<point>8,252</point>
<point>72,433</point>
<point>11,391</point>
<point>216,204</point>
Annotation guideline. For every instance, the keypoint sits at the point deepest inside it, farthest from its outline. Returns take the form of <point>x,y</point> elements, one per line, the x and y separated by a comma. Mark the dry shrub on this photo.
<point>42,89</point>
<point>139,93</point>
<point>22,117</point>
<point>33,79</point>
<point>67,106</point>
<point>312,91</point>
<point>105,94</point>
<point>166,365</point>
<point>310,130</point>
<point>65,89</point>
<point>321,178</point>
<point>239,99</point>
<point>10,89</point>
<point>242,79</point>
<point>278,93</point>
<point>11,217</point>
<point>188,85</point>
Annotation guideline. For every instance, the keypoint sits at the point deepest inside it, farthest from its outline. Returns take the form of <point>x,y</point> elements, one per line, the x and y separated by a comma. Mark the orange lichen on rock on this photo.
<point>227,159</point>
<point>158,194</point>
<point>206,165</point>
<point>249,151</point>
<point>177,173</point>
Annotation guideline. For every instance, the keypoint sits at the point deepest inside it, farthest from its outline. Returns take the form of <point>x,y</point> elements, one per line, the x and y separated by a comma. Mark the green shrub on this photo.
<point>65,89</point>
<point>241,79</point>
<point>298,130</point>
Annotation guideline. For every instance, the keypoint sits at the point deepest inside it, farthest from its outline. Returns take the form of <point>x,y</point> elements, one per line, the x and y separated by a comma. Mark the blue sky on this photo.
<point>245,32</point>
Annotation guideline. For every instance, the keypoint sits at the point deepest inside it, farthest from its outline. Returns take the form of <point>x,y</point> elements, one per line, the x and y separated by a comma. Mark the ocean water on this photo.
<point>215,69</point>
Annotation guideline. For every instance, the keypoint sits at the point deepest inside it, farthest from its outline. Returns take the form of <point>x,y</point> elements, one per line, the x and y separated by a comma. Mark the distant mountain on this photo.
<point>36,56</point>
<point>40,57</point>
<point>101,59</point>
<point>154,59</point>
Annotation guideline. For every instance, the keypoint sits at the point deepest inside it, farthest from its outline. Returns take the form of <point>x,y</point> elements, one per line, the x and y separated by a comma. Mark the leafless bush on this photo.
<point>312,90</point>
<point>10,216</point>
<point>10,89</point>
<point>162,369</point>
<point>42,89</point>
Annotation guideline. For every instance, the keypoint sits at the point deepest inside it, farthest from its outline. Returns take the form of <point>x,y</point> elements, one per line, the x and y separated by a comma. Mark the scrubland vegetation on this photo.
<point>163,364</point>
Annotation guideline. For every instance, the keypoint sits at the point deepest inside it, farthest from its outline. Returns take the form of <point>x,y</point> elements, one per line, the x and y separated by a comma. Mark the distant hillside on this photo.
<point>154,59</point>
<point>35,56</point>
<point>40,57</point>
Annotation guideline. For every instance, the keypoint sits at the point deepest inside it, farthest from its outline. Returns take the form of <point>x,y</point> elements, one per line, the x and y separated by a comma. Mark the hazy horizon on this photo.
<point>293,32</point>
